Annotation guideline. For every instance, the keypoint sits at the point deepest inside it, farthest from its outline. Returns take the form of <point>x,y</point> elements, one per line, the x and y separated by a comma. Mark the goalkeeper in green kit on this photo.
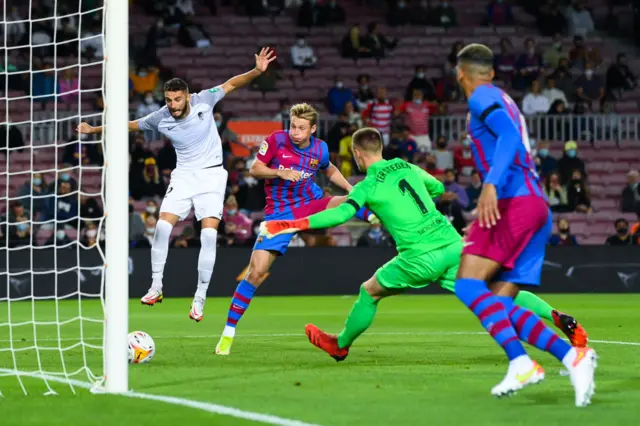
<point>429,248</point>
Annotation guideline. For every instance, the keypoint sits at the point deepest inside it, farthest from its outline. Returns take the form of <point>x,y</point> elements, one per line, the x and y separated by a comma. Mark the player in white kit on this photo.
<point>199,179</point>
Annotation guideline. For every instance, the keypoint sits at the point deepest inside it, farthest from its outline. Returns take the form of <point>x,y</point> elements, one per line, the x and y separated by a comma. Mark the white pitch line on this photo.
<point>200,405</point>
<point>374,333</point>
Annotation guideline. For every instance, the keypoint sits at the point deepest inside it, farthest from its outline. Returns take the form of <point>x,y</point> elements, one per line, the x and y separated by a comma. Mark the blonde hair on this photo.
<point>368,139</point>
<point>306,112</point>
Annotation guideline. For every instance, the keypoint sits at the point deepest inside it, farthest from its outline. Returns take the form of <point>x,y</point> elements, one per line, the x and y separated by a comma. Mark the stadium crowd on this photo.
<point>550,81</point>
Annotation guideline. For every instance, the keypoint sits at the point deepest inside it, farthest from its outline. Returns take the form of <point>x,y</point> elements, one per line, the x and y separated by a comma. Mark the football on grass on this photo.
<point>141,347</point>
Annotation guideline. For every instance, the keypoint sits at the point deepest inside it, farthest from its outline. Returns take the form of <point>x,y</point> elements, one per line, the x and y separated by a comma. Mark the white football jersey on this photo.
<point>195,137</point>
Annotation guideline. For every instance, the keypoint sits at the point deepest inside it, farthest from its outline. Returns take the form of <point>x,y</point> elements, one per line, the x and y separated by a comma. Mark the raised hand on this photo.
<point>264,58</point>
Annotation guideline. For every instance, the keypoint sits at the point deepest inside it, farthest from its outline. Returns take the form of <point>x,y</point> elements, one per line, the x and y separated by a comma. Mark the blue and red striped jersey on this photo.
<point>500,143</point>
<point>278,152</point>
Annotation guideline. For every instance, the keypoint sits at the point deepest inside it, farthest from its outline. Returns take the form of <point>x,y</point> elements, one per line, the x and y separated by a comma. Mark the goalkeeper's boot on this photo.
<point>326,342</point>
<point>569,326</point>
<point>518,376</point>
<point>581,373</point>
<point>224,345</point>
<point>197,309</point>
<point>152,297</point>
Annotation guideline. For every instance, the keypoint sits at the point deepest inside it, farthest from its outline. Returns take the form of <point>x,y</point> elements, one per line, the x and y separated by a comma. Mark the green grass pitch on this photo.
<point>424,362</point>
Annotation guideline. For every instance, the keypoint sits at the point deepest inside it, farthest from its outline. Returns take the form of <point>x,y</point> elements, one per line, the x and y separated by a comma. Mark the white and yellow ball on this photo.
<point>141,347</point>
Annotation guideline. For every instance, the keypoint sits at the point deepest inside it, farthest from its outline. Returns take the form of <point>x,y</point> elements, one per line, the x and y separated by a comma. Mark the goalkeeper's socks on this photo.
<point>239,304</point>
<point>534,331</point>
<point>206,260</point>
<point>360,318</point>
<point>159,250</point>
<point>363,214</point>
<point>534,304</point>
<point>492,314</point>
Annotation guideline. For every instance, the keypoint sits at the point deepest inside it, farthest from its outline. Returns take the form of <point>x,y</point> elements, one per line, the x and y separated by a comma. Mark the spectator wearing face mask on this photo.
<point>20,234</point>
<point>420,82</point>
<point>578,194</point>
<point>528,66</point>
<point>499,14</point>
<point>151,209</point>
<point>431,166</point>
<point>337,96</point>
<point>399,14</point>
<point>622,237</point>
<point>236,224</point>
<point>60,238</point>
<point>302,56</point>
<point>454,192</point>
<point>619,77</point>
<point>90,238</point>
<point>149,231</point>
<point>590,88</point>
<point>38,188</point>
<point>145,79</point>
<point>63,208</point>
<point>630,201</point>
<point>333,13</point>
<point>463,157</point>
<point>534,102</point>
<point>364,95</point>
<point>473,190</point>
<point>444,15</point>
<point>416,117</point>
<point>148,105</point>
<point>444,157</point>
<point>547,163</point>
<point>564,236</point>
<point>403,146</point>
<point>375,237</point>
<point>570,162</point>
<point>136,224</point>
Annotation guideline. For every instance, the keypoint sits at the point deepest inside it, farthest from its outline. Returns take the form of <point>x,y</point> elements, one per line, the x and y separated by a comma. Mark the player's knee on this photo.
<point>171,218</point>
<point>373,289</point>
<point>256,274</point>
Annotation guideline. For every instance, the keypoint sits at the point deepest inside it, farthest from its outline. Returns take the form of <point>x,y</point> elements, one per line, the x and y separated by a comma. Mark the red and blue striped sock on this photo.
<point>239,303</point>
<point>534,331</point>
<point>491,313</point>
<point>363,214</point>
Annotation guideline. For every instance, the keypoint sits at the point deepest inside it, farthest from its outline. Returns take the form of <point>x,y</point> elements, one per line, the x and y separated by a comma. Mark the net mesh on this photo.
<point>51,195</point>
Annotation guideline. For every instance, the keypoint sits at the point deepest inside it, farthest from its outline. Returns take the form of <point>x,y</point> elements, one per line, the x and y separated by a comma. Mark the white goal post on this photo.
<point>64,238</point>
<point>117,194</point>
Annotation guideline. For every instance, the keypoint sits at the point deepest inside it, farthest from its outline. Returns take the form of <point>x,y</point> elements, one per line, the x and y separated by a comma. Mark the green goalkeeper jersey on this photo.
<point>401,196</point>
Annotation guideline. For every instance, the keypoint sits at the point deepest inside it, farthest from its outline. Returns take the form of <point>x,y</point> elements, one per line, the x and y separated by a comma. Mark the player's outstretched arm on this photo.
<point>263,59</point>
<point>88,129</point>
<point>326,219</point>
<point>336,178</point>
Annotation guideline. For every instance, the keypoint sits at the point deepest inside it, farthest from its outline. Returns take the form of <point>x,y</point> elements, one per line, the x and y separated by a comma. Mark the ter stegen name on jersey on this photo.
<point>382,174</point>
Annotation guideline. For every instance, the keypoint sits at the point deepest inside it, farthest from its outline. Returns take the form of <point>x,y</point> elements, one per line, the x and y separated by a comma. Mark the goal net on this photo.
<point>52,196</point>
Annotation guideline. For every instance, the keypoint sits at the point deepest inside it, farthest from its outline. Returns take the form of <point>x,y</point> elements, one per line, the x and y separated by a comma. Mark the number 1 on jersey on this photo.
<point>405,187</point>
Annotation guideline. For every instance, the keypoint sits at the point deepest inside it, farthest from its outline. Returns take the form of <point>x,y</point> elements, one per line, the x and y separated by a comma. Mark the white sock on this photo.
<point>229,331</point>
<point>206,260</point>
<point>569,358</point>
<point>521,363</point>
<point>159,250</point>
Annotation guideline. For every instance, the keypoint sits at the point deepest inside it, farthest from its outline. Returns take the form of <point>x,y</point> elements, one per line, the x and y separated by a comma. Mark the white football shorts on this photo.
<point>201,189</point>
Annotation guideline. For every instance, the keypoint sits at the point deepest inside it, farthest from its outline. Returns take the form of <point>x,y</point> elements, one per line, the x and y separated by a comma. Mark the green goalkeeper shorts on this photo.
<point>420,270</point>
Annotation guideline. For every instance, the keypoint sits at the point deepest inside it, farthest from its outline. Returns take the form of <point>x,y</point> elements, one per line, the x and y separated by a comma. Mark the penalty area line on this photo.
<point>183,402</point>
